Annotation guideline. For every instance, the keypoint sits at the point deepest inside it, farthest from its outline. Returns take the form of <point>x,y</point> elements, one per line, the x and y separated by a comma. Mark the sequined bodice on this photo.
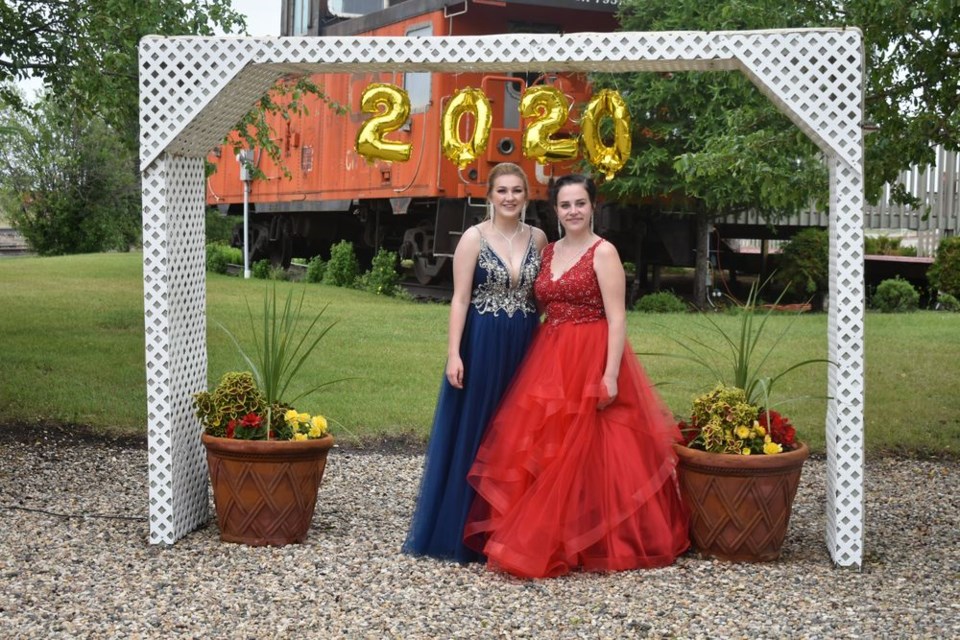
<point>575,295</point>
<point>493,291</point>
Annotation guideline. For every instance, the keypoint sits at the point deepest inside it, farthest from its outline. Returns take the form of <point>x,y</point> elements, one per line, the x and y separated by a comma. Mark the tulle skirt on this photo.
<point>492,348</point>
<point>562,486</point>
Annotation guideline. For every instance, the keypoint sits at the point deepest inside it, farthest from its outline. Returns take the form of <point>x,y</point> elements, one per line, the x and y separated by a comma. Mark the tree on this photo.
<point>71,181</point>
<point>714,145</point>
<point>912,82</point>
<point>86,51</point>
<point>709,143</point>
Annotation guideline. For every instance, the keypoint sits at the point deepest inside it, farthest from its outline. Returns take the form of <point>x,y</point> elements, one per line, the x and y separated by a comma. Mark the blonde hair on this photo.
<point>507,169</point>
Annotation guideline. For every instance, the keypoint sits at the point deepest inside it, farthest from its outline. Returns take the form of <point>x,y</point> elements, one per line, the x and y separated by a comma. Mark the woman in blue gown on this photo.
<point>492,321</point>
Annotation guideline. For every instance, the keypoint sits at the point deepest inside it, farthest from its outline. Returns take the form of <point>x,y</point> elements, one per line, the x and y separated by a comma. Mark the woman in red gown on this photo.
<point>577,470</point>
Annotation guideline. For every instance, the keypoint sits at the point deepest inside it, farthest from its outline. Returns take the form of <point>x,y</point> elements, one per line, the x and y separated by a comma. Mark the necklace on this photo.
<point>509,240</point>
<point>566,261</point>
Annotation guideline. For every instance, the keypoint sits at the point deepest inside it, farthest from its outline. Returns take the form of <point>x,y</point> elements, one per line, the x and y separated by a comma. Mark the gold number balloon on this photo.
<point>465,101</point>
<point>606,159</point>
<point>549,108</point>
<point>391,108</point>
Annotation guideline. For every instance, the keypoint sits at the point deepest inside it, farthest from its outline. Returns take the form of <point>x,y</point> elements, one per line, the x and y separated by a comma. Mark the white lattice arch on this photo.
<point>193,89</point>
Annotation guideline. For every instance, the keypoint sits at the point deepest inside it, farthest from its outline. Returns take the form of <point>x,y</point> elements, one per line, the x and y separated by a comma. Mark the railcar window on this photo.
<point>417,85</point>
<point>301,17</point>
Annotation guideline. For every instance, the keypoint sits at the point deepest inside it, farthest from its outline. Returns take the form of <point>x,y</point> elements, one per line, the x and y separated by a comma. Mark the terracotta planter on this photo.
<point>739,505</point>
<point>265,491</point>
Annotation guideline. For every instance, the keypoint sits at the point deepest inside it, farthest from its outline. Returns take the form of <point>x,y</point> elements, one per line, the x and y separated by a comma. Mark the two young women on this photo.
<point>569,466</point>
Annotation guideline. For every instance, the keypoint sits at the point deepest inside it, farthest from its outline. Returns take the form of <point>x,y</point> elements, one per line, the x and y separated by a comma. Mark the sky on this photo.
<point>263,16</point>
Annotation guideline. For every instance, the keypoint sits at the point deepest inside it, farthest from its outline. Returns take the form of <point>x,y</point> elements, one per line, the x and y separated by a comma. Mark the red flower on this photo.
<point>231,428</point>
<point>251,421</point>
<point>779,428</point>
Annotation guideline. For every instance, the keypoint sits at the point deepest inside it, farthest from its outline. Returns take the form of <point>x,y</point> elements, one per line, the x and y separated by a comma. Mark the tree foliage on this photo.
<point>715,145</point>
<point>709,143</point>
<point>85,51</point>
<point>70,181</point>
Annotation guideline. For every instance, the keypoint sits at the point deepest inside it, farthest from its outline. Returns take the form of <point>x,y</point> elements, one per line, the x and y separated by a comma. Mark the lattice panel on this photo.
<point>194,89</point>
<point>844,425</point>
<point>175,323</point>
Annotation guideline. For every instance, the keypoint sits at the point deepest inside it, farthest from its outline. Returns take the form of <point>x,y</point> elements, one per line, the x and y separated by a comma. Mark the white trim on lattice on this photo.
<point>192,90</point>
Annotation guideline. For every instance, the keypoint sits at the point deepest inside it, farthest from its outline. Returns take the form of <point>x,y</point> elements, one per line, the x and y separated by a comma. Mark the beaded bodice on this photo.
<point>493,290</point>
<point>575,295</point>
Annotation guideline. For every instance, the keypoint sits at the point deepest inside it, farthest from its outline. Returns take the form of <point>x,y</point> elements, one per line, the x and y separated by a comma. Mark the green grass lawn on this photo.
<point>72,351</point>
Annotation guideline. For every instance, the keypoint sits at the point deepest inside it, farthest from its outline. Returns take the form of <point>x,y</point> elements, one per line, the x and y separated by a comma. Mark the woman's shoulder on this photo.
<point>605,249</point>
<point>539,237</point>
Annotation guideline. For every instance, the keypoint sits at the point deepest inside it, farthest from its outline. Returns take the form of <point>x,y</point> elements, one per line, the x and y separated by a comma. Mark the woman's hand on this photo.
<point>455,372</point>
<point>610,385</point>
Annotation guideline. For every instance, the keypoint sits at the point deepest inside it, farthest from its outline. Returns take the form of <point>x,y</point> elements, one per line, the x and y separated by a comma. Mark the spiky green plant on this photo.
<point>742,363</point>
<point>283,340</point>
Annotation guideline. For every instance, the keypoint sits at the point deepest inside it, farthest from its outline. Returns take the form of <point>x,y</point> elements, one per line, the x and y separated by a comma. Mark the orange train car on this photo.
<point>418,207</point>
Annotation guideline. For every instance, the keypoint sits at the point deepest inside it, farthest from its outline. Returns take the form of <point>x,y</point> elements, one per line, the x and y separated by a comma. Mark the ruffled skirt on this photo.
<point>562,486</point>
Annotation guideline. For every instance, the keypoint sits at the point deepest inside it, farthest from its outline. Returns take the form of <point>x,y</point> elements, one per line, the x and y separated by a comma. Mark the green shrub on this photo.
<point>218,227</point>
<point>315,269</point>
<point>261,269</point>
<point>342,269</point>
<point>886,246</point>
<point>382,279</point>
<point>661,302</point>
<point>947,302</point>
<point>278,273</point>
<point>219,255</point>
<point>895,295</point>
<point>944,274</point>
<point>804,263</point>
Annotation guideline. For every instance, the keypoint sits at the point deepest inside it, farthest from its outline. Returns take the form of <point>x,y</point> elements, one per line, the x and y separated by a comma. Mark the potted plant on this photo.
<point>265,458</point>
<point>739,469</point>
<point>739,464</point>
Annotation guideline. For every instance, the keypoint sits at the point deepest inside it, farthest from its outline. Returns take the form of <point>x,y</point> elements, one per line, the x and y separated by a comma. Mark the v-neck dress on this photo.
<point>500,325</point>
<point>561,485</point>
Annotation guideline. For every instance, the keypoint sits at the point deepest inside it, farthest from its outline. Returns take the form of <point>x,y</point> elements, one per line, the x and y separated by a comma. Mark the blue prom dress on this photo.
<point>500,325</point>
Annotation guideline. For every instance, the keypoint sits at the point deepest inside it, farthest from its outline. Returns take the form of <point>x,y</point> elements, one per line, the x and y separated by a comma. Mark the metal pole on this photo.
<point>246,229</point>
<point>245,157</point>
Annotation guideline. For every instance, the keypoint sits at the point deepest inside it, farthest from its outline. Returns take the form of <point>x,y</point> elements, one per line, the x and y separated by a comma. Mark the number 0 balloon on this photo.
<point>465,101</point>
<point>606,159</point>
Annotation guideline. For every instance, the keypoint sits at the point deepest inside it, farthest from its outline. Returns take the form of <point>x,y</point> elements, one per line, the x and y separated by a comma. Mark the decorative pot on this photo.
<point>265,491</point>
<point>739,505</point>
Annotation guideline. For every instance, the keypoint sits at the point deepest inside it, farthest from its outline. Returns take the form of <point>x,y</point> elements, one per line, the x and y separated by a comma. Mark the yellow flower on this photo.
<point>299,436</point>
<point>745,451</point>
<point>759,429</point>
<point>742,432</point>
<point>304,417</point>
<point>771,448</point>
<point>318,426</point>
<point>290,417</point>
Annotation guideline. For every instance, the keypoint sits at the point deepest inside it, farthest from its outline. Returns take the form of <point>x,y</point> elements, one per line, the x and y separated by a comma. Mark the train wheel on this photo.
<point>429,271</point>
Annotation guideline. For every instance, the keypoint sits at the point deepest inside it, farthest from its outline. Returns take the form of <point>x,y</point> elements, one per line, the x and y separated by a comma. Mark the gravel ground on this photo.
<point>75,562</point>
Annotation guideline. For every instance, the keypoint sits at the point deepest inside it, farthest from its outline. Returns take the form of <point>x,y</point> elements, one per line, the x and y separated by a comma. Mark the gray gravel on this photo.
<point>75,562</point>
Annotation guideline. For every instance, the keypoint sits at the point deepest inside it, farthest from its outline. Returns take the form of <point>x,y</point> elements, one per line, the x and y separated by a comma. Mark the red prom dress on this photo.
<point>562,486</point>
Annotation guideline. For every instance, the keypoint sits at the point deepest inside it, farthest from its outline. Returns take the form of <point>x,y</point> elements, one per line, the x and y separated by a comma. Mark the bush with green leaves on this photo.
<point>261,269</point>
<point>661,302</point>
<point>944,274</point>
<point>342,269</point>
<point>895,295</point>
<point>315,269</point>
<point>383,278</point>
<point>219,255</point>
<point>947,302</point>
<point>218,227</point>
<point>804,264</point>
